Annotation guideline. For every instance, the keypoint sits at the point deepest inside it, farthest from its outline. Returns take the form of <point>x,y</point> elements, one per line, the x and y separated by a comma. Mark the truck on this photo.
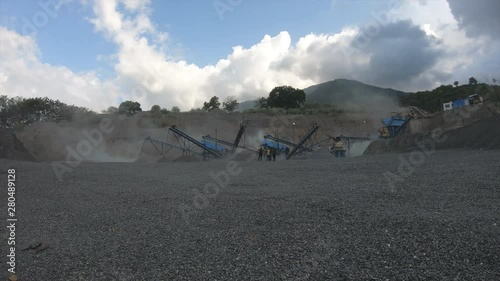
<point>472,99</point>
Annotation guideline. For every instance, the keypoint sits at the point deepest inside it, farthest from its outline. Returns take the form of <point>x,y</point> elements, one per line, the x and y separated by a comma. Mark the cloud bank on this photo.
<point>412,46</point>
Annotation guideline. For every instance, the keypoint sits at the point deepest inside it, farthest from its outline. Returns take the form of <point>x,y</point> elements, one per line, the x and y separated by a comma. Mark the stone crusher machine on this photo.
<point>233,145</point>
<point>301,145</point>
<point>185,143</point>
<point>338,149</point>
<point>342,145</point>
<point>296,148</point>
<point>394,125</point>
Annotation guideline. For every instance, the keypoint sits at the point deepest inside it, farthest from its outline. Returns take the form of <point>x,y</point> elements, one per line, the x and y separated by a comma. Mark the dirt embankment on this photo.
<point>124,141</point>
<point>475,127</point>
<point>452,119</point>
<point>12,148</point>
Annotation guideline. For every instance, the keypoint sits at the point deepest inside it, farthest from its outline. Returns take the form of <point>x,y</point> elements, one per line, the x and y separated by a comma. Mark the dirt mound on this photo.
<point>123,139</point>
<point>161,160</point>
<point>244,156</point>
<point>12,148</point>
<point>482,134</point>
<point>186,158</point>
<point>451,119</point>
<point>321,153</point>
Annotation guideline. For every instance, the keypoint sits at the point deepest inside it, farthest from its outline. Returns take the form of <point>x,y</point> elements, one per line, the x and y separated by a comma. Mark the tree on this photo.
<point>129,107</point>
<point>15,112</point>
<point>455,83</point>
<point>230,104</point>
<point>175,109</point>
<point>164,111</point>
<point>472,81</point>
<point>155,109</point>
<point>212,104</point>
<point>286,97</point>
<point>111,110</point>
<point>494,81</point>
<point>261,102</point>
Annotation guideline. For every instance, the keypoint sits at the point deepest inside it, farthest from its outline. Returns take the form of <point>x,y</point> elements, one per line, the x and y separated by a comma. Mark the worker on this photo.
<point>260,152</point>
<point>268,154</point>
<point>274,154</point>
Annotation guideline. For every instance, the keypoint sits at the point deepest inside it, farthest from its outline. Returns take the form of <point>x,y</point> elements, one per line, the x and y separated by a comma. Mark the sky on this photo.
<point>98,53</point>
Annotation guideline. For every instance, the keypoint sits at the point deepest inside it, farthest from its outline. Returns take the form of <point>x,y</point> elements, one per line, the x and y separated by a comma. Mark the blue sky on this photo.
<point>177,52</point>
<point>197,32</point>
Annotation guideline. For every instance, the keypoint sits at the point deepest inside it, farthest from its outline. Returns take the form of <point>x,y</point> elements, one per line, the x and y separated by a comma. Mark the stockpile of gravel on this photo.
<point>244,155</point>
<point>321,153</point>
<point>12,148</point>
<point>187,158</point>
<point>483,134</point>
<point>292,220</point>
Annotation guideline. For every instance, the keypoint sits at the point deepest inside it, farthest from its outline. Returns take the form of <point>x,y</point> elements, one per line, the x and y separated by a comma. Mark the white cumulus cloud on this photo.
<point>413,46</point>
<point>23,74</point>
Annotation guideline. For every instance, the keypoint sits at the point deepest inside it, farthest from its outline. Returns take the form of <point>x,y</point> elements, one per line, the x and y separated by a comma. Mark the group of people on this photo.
<point>270,153</point>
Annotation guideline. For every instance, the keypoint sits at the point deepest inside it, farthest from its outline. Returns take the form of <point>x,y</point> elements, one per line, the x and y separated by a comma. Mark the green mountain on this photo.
<point>249,104</point>
<point>346,94</point>
<point>351,95</point>
<point>342,91</point>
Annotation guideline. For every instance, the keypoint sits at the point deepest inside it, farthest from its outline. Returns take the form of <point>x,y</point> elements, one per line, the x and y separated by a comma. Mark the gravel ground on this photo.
<point>325,219</point>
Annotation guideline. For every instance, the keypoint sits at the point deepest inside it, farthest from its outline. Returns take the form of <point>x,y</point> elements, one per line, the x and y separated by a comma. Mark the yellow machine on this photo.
<point>338,149</point>
<point>384,132</point>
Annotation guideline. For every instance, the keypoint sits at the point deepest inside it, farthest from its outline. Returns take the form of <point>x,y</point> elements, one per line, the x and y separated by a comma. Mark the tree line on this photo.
<point>18,112</point>
<point>284,97</point>
<point>432,101</point>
